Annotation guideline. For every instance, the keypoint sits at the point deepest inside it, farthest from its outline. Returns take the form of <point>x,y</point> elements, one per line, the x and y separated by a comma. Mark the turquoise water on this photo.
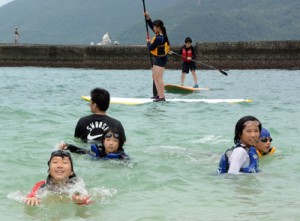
<point>175,147</point>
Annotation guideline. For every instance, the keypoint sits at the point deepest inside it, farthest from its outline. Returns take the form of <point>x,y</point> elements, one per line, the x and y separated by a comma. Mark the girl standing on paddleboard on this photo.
<point>159,47</point>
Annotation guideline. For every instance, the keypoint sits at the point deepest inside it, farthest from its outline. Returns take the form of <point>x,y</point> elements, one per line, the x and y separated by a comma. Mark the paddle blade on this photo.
<point>223,72</point>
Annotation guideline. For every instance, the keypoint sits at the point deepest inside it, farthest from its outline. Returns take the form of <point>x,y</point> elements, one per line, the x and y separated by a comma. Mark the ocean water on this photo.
<point>175,147</point>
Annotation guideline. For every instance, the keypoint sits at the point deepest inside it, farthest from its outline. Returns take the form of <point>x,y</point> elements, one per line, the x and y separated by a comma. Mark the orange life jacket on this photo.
<point>187,53</point>
<point>160,50</point>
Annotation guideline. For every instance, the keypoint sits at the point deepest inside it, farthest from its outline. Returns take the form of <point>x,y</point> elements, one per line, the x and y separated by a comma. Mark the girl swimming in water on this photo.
<point>242,158</point>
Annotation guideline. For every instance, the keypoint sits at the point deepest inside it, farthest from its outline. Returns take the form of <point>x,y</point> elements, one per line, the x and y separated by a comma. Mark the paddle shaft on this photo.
<point>147,30</point>
<point>205,65</point>
<point>150,56</point>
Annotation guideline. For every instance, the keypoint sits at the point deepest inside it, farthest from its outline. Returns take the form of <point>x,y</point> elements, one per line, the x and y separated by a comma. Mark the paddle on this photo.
<point>205,65</point>
<point>150,56</point>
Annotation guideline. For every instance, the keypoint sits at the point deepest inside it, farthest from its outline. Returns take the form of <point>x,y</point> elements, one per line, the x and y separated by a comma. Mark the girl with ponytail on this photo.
<point>159,47</point>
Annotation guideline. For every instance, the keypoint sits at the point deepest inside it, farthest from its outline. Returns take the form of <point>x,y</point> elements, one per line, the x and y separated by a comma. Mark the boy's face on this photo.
<point>264,144</point>
<point>111,144</point>
<point>92,106</point>
<point>60,168</point>
<point>188,44</point>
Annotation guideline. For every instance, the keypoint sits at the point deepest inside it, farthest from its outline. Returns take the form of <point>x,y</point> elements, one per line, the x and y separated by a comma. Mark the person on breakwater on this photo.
<point>263,147</point>
<point>159,47</point>
<point>92,127</point>
<point>111,147</point>
<point>61,181</point>
<point>188,54</point>
<point>242,158</point>
<point>17,35</point>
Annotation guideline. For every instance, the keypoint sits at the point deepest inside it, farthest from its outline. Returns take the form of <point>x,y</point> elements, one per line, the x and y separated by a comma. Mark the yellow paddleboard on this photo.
<point>172,88</point>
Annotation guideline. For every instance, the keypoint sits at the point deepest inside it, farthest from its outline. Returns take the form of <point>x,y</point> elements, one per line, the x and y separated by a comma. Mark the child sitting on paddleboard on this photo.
<point>242,158</point>
<point>111,148</point>
<point>188,54</point>
<point>61,180</point>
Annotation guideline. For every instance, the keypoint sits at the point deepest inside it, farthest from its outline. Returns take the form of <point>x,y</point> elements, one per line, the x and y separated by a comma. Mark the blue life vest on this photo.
<point>224,162</point>
<point>253,166</point>
<point>95,153</point>
<point>113,156</point>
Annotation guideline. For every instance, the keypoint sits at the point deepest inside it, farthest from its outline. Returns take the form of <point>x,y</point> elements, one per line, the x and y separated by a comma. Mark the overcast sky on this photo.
<point>2,2</point>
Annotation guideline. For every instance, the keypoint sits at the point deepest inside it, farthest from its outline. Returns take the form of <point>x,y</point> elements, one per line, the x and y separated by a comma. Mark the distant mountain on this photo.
<point>85,21</point>
<point>230,20</point>
<point>3,2</point>
<point>70,22</point>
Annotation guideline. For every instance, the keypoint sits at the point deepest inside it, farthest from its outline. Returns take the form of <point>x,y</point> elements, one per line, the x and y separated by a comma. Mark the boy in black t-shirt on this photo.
<point>92,127</point>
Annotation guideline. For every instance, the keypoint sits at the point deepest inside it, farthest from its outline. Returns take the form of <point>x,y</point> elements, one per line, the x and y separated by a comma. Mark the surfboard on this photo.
<point>172,88</point>
<point>135,101</point>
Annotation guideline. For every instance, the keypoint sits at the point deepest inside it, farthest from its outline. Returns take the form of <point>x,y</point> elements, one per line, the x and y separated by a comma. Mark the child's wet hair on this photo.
<point>62,154</point>
<point>101,97</point>
<point>240,125</point>
<point>188,40</point>
<point>119,136</point>
<point>159,23</point>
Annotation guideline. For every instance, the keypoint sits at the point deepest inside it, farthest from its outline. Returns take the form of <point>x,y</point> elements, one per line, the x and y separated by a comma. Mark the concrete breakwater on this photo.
<point>222,55</point>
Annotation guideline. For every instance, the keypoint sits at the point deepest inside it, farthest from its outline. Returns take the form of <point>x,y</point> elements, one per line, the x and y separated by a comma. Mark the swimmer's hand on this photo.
<point>63,146</point>
<point>81,200</point>
<point>33,201</point>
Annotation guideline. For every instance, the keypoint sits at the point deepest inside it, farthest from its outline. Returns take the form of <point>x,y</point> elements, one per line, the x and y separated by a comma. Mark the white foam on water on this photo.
<point>211,139</point>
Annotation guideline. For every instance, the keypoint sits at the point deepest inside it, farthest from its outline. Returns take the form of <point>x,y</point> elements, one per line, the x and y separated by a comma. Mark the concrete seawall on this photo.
<point>222,55</point>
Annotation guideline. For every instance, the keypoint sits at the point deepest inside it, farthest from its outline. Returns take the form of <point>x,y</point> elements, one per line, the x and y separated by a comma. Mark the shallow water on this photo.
<point>175,147</point>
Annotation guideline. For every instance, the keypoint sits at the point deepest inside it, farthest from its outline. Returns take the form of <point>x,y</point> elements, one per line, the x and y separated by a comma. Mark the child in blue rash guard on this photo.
<point>111,148</point>
<point>242,158</point>
<point>263,147</point>
<point>159,47</point>
<point>61,180</point>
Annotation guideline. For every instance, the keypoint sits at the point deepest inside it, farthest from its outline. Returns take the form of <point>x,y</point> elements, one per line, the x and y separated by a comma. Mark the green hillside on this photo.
<point>85,21</point>
<point>230,20</point>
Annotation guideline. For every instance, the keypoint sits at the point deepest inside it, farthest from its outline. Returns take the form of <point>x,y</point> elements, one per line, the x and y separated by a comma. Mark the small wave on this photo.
<point>97,194</point>
<point>18,196</point>
<point>127,163</point>
<point>189,154</point>
<point>102,193</point>
<point>211,139</point>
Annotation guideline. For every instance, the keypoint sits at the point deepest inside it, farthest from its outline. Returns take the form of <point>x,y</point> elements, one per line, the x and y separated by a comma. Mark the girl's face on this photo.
<point>60,168</point>
<point>250,134</point>
<point>156,29</point>
<point>111,143</point>
<point>264,144</point>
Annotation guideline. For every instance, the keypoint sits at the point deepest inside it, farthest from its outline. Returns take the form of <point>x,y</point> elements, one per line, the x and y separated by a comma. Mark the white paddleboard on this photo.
<point>134,101</point>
